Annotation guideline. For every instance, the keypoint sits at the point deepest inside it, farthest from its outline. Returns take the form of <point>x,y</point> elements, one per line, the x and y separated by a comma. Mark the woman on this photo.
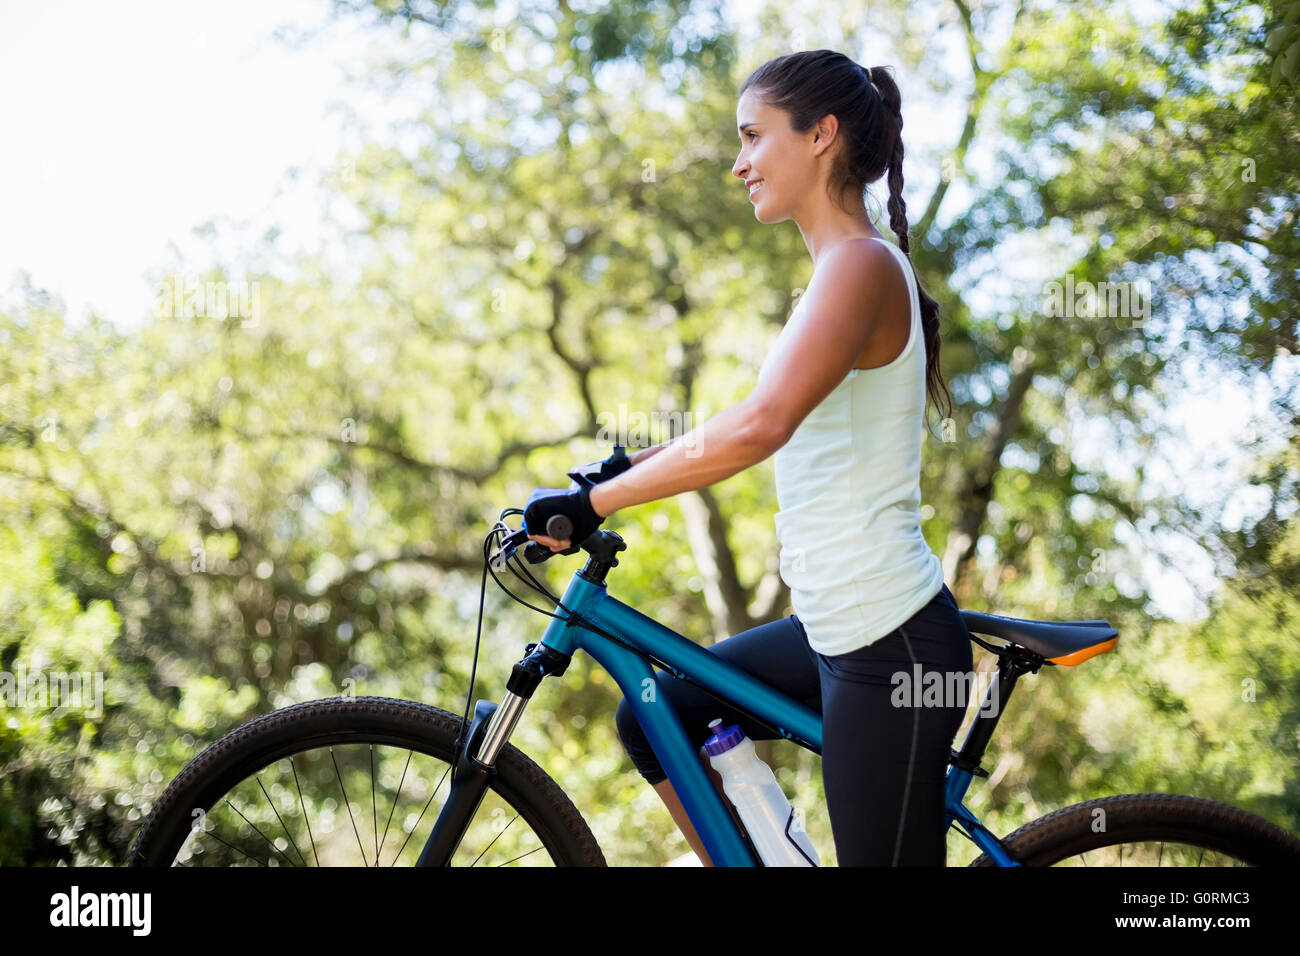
<point>840,401</point>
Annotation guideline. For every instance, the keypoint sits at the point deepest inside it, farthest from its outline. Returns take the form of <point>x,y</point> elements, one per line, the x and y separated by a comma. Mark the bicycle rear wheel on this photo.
<point>1150,829</point>
<point>353,782</point>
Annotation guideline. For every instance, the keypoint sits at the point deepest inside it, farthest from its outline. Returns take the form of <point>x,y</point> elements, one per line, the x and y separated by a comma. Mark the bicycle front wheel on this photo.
<point>1150,829</point>
<point>353,782</point>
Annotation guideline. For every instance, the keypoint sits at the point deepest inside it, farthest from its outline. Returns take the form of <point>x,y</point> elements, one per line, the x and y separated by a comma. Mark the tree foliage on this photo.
<point>222,514</point>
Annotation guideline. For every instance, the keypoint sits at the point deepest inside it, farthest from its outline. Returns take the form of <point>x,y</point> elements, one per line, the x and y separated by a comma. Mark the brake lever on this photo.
<point>497,560</point>
<point>534,553</point>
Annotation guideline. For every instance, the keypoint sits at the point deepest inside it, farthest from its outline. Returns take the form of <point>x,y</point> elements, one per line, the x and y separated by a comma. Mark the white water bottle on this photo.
<point>750,785</point>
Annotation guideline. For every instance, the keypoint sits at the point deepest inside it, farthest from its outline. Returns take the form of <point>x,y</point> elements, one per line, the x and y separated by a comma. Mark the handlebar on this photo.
<point>601,547</point>
<point>534,552</point>
<point>558,527</point>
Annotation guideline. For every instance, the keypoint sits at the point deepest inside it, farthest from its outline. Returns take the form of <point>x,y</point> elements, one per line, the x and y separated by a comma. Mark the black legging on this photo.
<point>883,766</point>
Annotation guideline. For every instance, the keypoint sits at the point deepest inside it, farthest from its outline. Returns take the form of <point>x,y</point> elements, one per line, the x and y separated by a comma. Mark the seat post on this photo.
<point>1011,665</point>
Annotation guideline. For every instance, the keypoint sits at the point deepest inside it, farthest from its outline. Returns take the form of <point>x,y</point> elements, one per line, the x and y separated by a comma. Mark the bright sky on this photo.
<point>129,124</point>
<point>132,123</point>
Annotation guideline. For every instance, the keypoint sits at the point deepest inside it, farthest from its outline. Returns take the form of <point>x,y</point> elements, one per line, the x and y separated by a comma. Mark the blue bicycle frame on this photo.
<point>639,682</point>
<point>628,645</point>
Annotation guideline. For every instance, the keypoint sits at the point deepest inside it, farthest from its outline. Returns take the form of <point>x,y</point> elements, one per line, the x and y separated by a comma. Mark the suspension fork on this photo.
<point>487,734</point>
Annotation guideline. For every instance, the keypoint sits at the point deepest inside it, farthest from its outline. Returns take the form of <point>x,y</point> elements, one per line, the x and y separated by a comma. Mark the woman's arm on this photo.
<point>843,304</point>
<point>641,454</point>
<point>727,443</point>
<point>843,309</point>
<point>730,442</point>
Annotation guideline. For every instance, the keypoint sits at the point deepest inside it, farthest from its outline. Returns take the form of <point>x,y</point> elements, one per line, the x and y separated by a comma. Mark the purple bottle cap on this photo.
<point>724,738</point>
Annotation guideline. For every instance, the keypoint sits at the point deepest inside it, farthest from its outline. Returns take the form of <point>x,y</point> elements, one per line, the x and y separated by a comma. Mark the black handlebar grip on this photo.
<point>559,527</point>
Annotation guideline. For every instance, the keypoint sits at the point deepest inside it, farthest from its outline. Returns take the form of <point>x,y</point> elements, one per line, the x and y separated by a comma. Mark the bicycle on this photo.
<point>198,818</point>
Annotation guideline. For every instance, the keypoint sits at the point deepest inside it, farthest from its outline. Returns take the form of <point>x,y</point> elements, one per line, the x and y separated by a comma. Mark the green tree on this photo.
<point>224,513</point>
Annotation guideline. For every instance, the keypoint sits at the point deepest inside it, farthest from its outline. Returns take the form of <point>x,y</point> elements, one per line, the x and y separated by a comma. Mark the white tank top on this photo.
<point>848,485</point>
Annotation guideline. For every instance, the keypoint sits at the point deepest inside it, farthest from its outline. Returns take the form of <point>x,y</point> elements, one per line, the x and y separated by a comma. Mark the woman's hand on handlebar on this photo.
<point>554,511</point>
<point>550,542</point>
<point>584,478</point>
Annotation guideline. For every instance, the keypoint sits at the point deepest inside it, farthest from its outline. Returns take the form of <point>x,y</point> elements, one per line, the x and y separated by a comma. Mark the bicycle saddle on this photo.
<point>1061,642</point>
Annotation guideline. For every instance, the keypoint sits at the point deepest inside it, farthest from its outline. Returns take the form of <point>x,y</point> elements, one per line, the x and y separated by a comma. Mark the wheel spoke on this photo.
<point>1138,850</point>
<point>374,819</point>
<point>235,848</point>
<point>268,840</point>
<point>420,817</point>
<point>495,838</point>
<point>271,804</point>
<point>311,755</point>
<point>520,857</point>
<point>305,815</point>
<point>396,798</point>
<point>348,804</point>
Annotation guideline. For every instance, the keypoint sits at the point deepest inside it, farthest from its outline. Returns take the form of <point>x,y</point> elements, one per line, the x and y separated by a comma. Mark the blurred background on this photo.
<point>296,297</point>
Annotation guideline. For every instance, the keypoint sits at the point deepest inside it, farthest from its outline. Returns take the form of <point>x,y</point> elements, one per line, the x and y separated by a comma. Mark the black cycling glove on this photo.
<point>573,503</point>
<point>547,506</point>
<point>599,471</point>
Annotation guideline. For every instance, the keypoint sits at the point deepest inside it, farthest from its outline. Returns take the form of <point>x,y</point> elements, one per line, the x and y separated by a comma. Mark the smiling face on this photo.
<point>785,161</point>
